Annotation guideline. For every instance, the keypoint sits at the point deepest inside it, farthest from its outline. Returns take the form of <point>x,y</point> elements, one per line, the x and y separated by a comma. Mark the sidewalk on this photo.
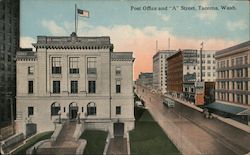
<point>229,121</point>
<point>117,146</point>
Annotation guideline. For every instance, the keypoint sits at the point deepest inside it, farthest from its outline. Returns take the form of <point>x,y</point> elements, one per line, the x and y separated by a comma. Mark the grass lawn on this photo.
<point>148,138</point>
<point>95,141</point>
<point>33,141</point>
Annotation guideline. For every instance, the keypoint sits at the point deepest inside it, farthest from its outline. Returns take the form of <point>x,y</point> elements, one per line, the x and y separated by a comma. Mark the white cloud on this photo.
<point>240,24</point>
<point>53,27</point>
<point>26,42</point>
<point>163,16</point>
<point>139,40</point>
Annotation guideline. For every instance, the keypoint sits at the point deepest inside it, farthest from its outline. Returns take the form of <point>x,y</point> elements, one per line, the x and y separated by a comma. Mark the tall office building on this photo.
<point>160,69</point>
<point>9,44</point>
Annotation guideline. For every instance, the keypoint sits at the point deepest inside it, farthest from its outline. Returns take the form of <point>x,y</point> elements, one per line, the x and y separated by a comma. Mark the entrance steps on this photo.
<point>64,144</point>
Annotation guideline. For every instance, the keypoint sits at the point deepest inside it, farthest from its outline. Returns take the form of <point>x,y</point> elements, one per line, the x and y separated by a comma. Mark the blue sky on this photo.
<point>137,30</point>
<point>114,12</point>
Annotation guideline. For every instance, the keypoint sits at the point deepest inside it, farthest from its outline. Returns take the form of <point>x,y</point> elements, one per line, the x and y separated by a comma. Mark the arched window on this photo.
<point>91,108</point>
<point>55,108</point>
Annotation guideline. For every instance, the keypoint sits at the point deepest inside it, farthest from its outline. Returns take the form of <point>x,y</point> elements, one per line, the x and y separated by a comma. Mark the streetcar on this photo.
<point>168,102</point>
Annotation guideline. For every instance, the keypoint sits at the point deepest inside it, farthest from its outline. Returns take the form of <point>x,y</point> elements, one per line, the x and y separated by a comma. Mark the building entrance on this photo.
<point>118,129</point>
<point>73,110</point>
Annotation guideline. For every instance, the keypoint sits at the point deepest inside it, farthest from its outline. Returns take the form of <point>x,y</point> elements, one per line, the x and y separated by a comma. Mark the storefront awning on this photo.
<point>228,108</point>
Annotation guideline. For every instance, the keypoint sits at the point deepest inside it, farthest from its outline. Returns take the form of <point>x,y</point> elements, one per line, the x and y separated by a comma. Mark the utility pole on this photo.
<point>156,46</point>
<point>201,60</point>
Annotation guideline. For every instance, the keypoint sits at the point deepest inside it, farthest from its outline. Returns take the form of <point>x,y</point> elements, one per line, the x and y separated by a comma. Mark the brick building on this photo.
<point>175,74</point>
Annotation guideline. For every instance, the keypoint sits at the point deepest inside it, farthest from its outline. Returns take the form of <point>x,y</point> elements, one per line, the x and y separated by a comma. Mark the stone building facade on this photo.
<point>232,81</point>
<point>73,77</point>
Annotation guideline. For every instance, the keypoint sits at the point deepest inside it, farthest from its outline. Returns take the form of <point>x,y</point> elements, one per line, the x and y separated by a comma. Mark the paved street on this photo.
<point>198,135</point>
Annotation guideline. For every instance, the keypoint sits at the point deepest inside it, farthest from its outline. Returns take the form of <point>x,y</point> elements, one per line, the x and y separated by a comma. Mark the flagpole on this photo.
<point>75,18</point>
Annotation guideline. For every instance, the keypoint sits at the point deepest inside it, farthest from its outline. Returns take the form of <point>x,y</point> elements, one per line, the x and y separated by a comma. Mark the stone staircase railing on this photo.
<point>56,132</point>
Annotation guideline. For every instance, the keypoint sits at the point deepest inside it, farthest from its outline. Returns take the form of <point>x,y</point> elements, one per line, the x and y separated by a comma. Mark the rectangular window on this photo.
<point>91,66</point>
<point>209,61</point>
<point>9,58</point>
<point>9,67</point>
<point>118,71</point>
<point>246,99</point>
<point>92,87</point>
<point>118,110</point>
<point>73,65</point>
<point>30,87</point>
<point>30,111</point>
<point>56,65</point>
<point>56,87</point>
<point>246,85</point>
<point>2,67</point>
<point>239,61</point>
<point>246,60</point>
<point>30,70</point>
<point>118,86</point>
<point>74,87</point>
<point>232,62</point>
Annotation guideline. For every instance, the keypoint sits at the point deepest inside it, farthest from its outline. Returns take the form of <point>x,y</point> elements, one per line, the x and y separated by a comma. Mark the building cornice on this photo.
<point>233,50</point>
<point>73,42</point>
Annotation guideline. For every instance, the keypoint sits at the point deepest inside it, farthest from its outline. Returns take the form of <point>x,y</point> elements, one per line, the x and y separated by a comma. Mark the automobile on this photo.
<point>168,102</point>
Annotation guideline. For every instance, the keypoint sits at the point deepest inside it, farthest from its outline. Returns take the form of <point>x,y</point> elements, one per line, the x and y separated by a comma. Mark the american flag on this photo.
<point>83,13</point>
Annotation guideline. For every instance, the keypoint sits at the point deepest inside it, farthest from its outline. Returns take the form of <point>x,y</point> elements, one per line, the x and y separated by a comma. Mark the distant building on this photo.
<point>145,79</point>
<point>9,44</point>
<point>75,78</point>
<point>160,65</point>
<point>184,71</point>
<point>233,83</point>
<point>190,65</point>
<point>191,70</point>
<point>208,66</point>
